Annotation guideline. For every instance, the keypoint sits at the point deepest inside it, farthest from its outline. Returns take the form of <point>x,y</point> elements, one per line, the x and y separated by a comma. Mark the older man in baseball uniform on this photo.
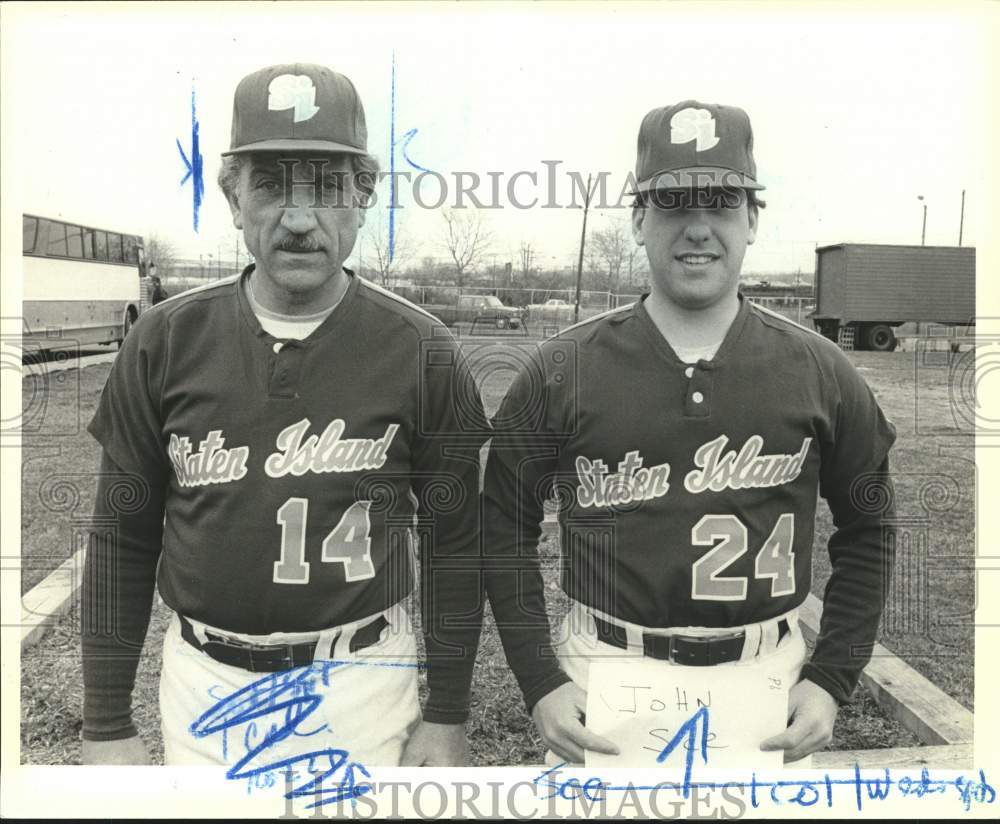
<point>290,436</point>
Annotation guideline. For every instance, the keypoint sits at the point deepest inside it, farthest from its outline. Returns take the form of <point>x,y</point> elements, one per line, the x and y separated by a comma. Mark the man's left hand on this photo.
<point>811,713</point>
<point>437,745</point>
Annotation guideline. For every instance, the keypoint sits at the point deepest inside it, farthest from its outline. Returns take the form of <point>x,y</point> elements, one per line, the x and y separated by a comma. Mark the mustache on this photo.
<point>295,243</point>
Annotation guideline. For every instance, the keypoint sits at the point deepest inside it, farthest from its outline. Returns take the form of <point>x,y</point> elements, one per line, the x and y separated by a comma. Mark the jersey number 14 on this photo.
<point>348,543</point>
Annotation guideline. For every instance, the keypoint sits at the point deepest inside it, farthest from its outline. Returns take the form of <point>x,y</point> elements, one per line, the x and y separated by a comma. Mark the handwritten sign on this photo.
<point>648,708</point>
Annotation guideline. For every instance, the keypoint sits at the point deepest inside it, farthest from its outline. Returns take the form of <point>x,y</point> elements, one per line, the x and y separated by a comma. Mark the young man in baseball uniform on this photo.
<point>282,435</point>
<point>686,437</point>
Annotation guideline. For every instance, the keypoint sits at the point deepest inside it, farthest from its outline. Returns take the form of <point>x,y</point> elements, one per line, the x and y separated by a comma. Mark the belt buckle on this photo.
<point>227,641</point>
<point>672,645</point>
<point>288,659</point>
<point>703,643</point>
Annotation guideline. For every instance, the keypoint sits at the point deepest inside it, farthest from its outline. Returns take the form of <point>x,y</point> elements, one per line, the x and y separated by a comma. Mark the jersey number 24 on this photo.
<point>348,543</point>
<point>729,536</point>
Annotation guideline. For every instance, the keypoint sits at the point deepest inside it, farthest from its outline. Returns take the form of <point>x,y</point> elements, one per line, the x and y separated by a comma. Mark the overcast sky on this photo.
<point>854,115</point>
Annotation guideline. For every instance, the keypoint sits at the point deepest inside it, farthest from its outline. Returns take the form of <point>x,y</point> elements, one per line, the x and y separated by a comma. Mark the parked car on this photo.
<point>552,311</point>
<point>477,309</point>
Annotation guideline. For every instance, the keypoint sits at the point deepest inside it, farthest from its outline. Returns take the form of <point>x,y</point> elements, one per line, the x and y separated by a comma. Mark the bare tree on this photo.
<point>427,268</point>
<point>637,267</point>
<point>527,258</point>
<point>162,252</point>
<point>466,240</point>
<point>375,241</point>
<point>612,246</point>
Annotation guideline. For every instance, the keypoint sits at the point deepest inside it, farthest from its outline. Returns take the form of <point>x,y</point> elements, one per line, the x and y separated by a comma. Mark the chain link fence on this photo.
<point>536,302</point>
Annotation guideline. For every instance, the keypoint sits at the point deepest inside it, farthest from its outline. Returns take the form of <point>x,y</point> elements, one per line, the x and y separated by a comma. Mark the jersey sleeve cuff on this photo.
<point>535,694</point>
<point>437,715</point>
<point>110,734</point>
<point>840,692</point>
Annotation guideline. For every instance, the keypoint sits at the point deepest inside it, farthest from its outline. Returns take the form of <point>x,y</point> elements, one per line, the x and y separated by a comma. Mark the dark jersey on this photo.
<point>294,469</point>
<point>688,491</point>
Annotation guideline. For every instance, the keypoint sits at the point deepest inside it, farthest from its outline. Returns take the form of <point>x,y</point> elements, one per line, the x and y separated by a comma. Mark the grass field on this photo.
<point>932,630</point>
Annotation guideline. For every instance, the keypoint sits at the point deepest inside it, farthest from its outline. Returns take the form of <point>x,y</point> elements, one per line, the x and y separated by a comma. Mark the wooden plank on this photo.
<point>925,710</point>
<point>952,757</point>
<point>949,757</point>
<point>50,598</point>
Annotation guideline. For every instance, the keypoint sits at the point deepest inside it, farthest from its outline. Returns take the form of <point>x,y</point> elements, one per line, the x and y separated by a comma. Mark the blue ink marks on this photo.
<point>689,731</point>
<point>979,791</point>
<point>194,166</point>
<point>803,793</point>
<point>403,143</point>
<point>289,696</point>
<point>392,162</point>
<point>406,138</point>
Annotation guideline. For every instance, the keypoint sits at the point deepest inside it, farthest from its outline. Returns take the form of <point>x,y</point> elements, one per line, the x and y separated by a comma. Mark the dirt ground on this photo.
<point>928,619</point>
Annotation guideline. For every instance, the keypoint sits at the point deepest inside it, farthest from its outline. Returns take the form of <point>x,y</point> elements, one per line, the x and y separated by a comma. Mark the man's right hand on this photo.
<point>559,718</point>
<point>123,751</point>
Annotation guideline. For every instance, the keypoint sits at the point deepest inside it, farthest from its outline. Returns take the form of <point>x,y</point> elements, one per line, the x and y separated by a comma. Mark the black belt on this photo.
<point>276,658</point>
<point>686,650</point>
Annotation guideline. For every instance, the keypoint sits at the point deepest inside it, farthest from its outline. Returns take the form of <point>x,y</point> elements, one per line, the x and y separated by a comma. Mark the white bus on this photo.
<point>81,285</point>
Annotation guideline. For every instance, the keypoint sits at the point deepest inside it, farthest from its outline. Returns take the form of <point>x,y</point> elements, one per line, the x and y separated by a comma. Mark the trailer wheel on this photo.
<point>880,338</point>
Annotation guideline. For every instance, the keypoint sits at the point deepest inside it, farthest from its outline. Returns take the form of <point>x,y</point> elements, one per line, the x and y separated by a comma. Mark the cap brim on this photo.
<point>698,177</point>
<point>287,145</point>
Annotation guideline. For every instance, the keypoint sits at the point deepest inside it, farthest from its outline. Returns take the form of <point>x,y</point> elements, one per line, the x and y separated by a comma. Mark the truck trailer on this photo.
<point>872,289</point>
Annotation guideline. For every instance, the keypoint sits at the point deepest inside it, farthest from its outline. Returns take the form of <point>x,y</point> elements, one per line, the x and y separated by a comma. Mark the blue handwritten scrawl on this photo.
<point>194,166</point>
<point>693,736</point>
<point>273,708</point>
<point>403,143</point>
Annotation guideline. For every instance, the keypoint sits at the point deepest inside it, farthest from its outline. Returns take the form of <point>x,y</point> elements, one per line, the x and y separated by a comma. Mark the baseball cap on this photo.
<point>692,145</point>
<point>297,107</point>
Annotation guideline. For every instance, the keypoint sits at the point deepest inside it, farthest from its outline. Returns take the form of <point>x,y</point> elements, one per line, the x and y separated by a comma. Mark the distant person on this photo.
<point>157,293</point>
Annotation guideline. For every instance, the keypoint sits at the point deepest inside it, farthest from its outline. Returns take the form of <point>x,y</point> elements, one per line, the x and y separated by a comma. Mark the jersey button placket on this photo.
<point>698,398</point>
<point>285,371</point>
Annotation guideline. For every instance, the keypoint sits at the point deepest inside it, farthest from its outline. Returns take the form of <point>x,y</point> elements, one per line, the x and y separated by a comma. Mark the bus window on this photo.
<point>30,225</point>
<point>131,255</point>
<point>101,245</point>
<point>74,241</point>
<point>88,244</point>
<point>114,247</point>
<point>57,238</point>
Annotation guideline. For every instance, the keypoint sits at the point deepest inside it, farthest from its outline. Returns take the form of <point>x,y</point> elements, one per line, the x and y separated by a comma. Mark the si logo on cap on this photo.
<point>297,107</point>
<point>296,91</point>
<point>693,145</point>
<point>694,124</point>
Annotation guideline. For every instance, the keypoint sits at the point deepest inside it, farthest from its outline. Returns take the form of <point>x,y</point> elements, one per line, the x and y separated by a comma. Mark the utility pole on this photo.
<point>237,251</point>
<point>923,230</point>
<point>961,219</point>
<point>583,242</point>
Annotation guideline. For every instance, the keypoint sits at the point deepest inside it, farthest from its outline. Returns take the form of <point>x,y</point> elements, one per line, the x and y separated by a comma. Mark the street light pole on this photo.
<point>583,242</point>
<point>923,230</point>
<point>961,219</point>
